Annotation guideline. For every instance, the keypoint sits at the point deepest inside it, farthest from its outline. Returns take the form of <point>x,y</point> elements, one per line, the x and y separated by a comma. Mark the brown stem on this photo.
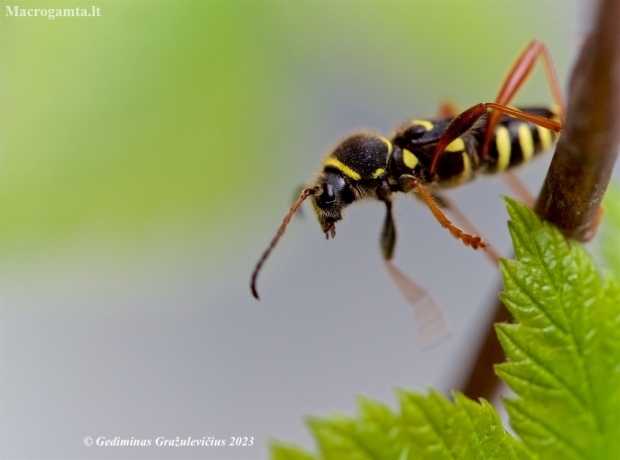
<point>587,150</point>
<point>581,166</point>
<point>482,381</point>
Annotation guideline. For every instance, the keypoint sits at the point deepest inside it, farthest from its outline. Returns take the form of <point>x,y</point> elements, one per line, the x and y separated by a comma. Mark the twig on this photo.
<point>587,150</point>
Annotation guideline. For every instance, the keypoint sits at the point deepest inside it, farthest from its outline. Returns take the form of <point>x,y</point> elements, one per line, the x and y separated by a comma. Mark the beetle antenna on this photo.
<point>304,194</point>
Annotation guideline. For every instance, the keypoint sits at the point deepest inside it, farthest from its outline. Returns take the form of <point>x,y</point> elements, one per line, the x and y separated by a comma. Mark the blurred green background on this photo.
<point>149,154</point>
<point>180,112</point>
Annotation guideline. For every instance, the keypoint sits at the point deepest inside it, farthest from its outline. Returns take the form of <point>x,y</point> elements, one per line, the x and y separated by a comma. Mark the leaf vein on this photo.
<point>550,372</point>
<point>535,302</point>
<point>550,429</point>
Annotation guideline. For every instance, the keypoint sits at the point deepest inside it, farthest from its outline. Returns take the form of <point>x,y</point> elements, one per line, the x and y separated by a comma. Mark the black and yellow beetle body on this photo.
<point>423,157</point>
<point>368,165</point>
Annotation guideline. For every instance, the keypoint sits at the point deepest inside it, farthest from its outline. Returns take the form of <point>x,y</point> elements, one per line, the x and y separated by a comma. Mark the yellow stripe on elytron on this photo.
<point>388,143</point>
<point>410,160</point>
<point>502,142</point>
<point>457,145</point>
<point>526,141</point>
<point>378,172</point>
<point>425,123</point>
<point>340,166</point>
<point>466,166</point>
<point>546,138</point>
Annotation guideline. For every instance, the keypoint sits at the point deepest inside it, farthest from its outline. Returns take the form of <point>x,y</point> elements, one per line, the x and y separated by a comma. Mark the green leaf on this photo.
<point>373,435</point>
<point>427,427</point>
<point>280,451</point>
<point>564,352</point>
<point>463,430</point>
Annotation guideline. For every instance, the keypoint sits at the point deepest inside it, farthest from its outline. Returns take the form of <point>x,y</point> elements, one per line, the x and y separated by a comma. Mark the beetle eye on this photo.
<point>329,193</point>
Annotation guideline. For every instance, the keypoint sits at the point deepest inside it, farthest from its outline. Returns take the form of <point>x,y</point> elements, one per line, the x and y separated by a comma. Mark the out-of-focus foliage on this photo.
<point>611,229</point>
<point>145,111</point>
